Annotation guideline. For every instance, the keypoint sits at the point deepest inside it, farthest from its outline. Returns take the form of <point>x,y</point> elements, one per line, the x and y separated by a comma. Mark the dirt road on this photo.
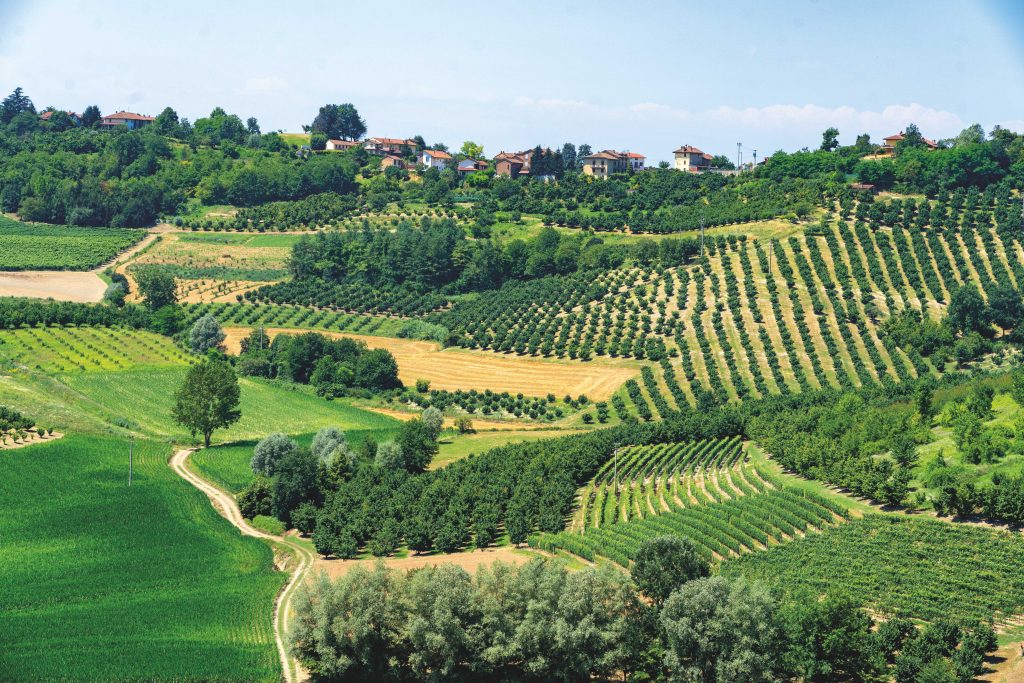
<point>226,506</point>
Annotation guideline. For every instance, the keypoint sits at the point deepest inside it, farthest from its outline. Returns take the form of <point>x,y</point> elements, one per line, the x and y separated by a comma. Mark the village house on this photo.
<point>691,159</point>
<point>390,160</point>
<point>512,164</point>
<point>467,166</point>
<point>889,143</point>
<point>433,158</point>
<point>384,146</point>
<point>340,145</point>
<point>47,115</point>
<point>128,119</point>
<point>608,161</point>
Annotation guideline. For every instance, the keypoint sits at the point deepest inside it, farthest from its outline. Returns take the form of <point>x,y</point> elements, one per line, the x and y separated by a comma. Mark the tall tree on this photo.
<point>830,139</point>
<point>665,563</point>
<point>583,152</point>
<point>166,122</point>
<point>252,125</point>
<point>967,311</point>
<point>15,103</point>
<point>471,150</point>
<point>912,138</point>
<point>208,399</point>
<point>569,157</point>
<point>1007,307</point>
<point>157,287</point>
<point>91,116</point>
<point>339,121</point>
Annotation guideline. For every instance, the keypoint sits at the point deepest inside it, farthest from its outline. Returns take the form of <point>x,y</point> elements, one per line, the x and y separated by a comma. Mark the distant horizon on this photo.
<point>539,75</point>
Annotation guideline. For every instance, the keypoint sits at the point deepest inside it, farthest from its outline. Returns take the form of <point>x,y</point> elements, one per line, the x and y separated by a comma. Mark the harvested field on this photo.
<point>85,287</point>
<point>454,369</point>
<point>470,561</point>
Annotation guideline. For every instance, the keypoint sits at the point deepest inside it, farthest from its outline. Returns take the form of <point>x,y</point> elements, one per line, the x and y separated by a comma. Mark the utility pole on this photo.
<point>131,448</point>
<point>755,158</point>
<point>739,156</point>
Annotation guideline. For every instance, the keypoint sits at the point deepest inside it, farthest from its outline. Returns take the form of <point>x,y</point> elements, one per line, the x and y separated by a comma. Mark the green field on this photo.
<point>35,246</point>
<point>144,397</point>
<point>104,582</point>
<point>917,567</point>
<point>69,349</point>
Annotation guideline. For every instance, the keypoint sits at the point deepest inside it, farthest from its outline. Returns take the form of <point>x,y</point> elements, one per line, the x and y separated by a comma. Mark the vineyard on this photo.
<point>69,606</point>
<point>34,246</point>
<point>759,317</point>
<point>920,568</point>
<point>75,349</point>
<point>702,490</point>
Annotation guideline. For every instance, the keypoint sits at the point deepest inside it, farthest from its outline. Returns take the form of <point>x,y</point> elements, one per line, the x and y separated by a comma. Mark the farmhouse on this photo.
<point>384,146</point>
<point>609,161</point>
<point>433,158</point>
<point>339,145</point>
<point>128,119</point>
<point>691,159</point>
<point>889,143</point>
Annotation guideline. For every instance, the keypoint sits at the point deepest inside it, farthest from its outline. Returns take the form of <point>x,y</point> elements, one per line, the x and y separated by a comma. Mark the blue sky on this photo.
<point>638,75</point>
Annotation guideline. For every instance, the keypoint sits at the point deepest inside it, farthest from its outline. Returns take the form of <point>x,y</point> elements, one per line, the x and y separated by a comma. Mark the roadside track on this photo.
<point>225,504</point>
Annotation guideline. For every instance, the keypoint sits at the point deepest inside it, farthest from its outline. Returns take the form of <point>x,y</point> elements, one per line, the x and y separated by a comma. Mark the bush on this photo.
<point>268,524</point>
<point>255,499</point>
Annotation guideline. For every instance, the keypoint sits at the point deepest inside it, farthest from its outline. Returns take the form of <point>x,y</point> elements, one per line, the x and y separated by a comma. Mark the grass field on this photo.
<point>144,398</point>
<point>104,582</point>
<point>34,246</point>
<point>224,256</point>
<point>69,349</point>
<point>918,567</point>
<point>455,447</point>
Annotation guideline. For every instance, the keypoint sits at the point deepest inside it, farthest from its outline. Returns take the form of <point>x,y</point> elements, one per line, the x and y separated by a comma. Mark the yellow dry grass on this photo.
<point>470,561</point>
<point>455,369</point>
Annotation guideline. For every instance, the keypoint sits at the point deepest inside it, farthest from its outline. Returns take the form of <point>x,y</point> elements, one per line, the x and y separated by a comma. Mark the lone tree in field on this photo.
<point>207,399</point>
<point>206,334</point>
<point>157,288</point>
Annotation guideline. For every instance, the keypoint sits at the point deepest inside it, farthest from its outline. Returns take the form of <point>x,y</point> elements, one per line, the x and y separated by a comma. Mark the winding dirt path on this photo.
<point>226,506</point>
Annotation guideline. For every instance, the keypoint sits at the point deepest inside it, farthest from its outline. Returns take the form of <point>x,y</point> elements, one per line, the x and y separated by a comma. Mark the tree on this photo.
<point>912,139</point>
<point>830,139</point>
<point>377,369</point>
<point>464,425</point>
<point>389,456</point>
<point>717,631</point>
<point>1006,306</point>
<point>255,499</point>
<point>157,287</point>
<point>1017,387</point>
<point>924,399</point>
<point>720,161</point>
<point>903,449</point>
<point>863,144</point>
<point>206,334</point>
<point>830,639</point>
<point>434,420</point>
<point>318,142</point>
<point>418,444</point>
<point>967,311</point>
<point>326,442</point>
<point>442,623</point>
<point>352,629</point>
<point>252,126</point>
<point>294,483</point>
<point>665,563</point>
<point>15,103</point>
<point>471,150</point>
<point>568,157</point>
<point>972,135</point>
<point>208,399</point>
<point>583,151</point>
<point>91,116</point>
<point>339,121</point>
<point>269,452</point>
<point>166,122</point>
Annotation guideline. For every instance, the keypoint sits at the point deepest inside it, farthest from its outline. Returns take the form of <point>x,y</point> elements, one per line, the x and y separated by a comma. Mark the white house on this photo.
<point>339,145</point>
<point>432,158</point>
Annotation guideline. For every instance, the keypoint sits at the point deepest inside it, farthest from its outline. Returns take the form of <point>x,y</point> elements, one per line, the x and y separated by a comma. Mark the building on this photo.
<point>434,158</point>
<point>340,145</point>
<point>609,161</point>
<point>512,164</point>
<point>384,146</point>
<point>636,161</point>
<point>467,166</point>
<point>129,120</point>
<point>390,160</point>
<point>691,159</point>
<point>47,115</point>
<point>889,143</point>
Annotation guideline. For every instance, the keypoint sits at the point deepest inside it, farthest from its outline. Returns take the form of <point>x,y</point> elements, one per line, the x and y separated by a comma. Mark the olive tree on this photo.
<point>206,334</point>
<point>269,452</point>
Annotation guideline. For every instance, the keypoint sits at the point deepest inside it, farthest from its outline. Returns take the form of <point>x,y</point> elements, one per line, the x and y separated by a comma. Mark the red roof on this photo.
<point>893,139</point>
<point>127,116</point>
<point>634,155</point>
<point>688,149</point>
<point>437,154</point>
<point>344,143</point>
<point>392,141</point>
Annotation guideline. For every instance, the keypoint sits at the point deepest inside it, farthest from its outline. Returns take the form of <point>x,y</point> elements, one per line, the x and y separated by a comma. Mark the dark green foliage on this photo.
<point>208,398</point>
<point>156,287</point>
<point>256,499</point>
<point>665,563</point>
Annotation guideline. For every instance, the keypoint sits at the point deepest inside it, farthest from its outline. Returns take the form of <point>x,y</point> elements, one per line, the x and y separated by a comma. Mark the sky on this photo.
<point>633,75</point>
